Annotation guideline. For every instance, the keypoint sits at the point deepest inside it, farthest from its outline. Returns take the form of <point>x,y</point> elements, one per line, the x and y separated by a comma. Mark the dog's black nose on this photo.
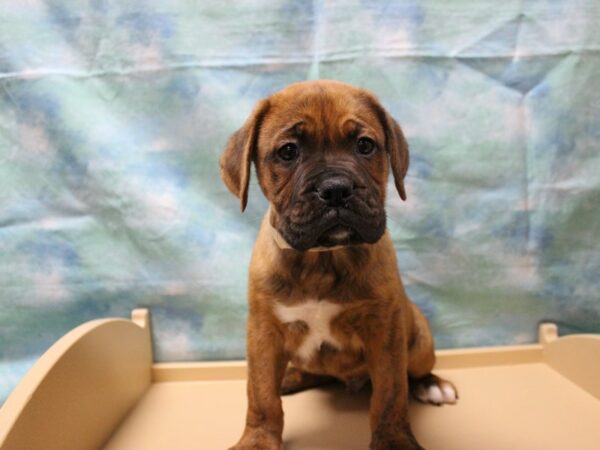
<point>335,191</point>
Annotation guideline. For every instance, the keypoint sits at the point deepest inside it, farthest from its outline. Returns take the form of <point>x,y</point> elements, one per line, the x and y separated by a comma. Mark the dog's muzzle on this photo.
<point>335,210</point>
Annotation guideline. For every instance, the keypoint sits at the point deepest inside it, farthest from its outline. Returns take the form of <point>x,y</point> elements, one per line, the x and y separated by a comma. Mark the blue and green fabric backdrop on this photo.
<point>113,115</point>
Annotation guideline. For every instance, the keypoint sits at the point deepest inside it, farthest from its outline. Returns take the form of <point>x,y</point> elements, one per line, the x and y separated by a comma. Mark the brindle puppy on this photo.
<point>322,152</point>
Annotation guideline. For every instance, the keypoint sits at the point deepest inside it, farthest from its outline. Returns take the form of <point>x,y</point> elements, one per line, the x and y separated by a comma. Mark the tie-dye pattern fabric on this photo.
<point>113,115</point>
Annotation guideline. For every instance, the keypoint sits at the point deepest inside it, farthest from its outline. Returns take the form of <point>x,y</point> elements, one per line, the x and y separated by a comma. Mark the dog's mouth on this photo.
<point>335,227</point>
<point>338,235</point>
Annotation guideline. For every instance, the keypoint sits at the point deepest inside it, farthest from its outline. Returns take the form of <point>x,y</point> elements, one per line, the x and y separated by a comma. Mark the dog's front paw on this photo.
<point>240,446</point>
<point>401,442</point>
<point>433,389</point>
<point>258,439</point>
<point>256,446</point>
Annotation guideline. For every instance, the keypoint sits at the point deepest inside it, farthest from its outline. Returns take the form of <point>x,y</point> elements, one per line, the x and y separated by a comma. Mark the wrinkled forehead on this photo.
<point>321,115</point>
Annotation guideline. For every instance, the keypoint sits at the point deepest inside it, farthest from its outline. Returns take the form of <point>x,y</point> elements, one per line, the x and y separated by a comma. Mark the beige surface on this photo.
<point>527,406</point>
<point>540,396</point>
<point>82,387</point>
<point>577,358</point>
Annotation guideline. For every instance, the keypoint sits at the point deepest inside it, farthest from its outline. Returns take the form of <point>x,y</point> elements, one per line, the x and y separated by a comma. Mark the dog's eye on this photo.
<point>288,152</point>
<point>365,146</point>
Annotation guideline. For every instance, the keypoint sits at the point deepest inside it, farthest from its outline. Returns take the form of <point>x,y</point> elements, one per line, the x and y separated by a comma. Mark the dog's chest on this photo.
<point>317,315</point>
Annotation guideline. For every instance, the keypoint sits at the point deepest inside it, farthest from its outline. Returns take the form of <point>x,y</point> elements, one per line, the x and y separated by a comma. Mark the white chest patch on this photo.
<point>317,314</point>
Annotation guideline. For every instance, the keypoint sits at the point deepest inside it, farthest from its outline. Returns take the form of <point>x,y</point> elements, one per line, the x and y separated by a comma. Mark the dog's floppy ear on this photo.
<point>395,145</point>
<point>240,150</point>
<point>397,148</point>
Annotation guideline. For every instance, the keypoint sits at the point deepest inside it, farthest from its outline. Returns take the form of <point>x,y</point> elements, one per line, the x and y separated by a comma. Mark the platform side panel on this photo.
<point>80,389</point>
<point>577,358</point>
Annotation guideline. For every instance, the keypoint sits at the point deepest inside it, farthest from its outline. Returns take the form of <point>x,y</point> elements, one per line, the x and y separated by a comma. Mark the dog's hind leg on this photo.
<point>425,386</point>
<point>296,380</point>
<point>421,356</point>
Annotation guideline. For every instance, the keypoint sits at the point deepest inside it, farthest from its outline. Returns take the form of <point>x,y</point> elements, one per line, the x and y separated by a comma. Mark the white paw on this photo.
<point>438,394</point>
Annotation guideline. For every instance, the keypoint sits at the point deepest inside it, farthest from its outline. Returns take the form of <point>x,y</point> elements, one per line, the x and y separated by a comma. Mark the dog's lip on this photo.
<point>337,220</point>
<point>347,226</point>
<point>339,232</point>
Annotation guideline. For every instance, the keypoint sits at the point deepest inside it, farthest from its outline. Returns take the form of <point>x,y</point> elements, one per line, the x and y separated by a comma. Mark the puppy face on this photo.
<point>322,150</point>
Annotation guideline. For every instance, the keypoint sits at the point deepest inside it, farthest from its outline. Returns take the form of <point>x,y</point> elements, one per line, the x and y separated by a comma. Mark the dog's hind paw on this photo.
<point>433,389</point>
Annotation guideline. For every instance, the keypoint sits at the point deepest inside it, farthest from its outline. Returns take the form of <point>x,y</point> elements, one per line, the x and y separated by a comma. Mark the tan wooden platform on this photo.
<point>97,388</point>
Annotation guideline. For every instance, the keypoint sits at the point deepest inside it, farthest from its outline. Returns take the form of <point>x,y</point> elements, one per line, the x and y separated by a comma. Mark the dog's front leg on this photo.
<point>387,359</point>
<point>266,366</point>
